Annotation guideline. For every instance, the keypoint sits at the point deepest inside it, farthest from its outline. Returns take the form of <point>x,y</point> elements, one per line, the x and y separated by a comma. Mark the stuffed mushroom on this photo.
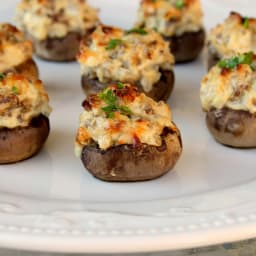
<point>126,136</point>
<point>228,96</point>
<point>235,35</point>
<point>179,22</point>
<point>136,56</point>
<point>56,27</point>
<point>24,123</point>
<point>16,52</point>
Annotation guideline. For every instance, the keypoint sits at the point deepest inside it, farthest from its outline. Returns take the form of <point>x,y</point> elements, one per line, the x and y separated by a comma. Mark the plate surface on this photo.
<point>49,203</point>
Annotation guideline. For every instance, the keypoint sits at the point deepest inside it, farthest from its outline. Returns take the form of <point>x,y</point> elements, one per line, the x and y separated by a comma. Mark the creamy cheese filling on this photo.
<point>231,88</point>
<point>139,120</point>
<point>236,34</point>
<point>50,19</point>
<point>115,55</point>
<point>21,100</point>
<point>14,48</point>
<point>170,17</point>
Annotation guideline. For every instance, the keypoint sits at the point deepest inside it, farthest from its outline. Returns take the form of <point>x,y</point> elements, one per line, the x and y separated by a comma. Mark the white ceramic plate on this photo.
<point>50,203</point>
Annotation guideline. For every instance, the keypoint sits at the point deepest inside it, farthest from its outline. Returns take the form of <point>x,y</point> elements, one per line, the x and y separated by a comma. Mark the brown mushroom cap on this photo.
<point>160,90</point>
<point>187,46</point>
<point>235,128</point>
<point>23,142</point>
<point>57,49</point>
<point>133,163</point>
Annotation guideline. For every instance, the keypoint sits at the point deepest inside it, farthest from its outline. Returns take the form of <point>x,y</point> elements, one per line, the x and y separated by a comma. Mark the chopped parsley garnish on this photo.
<point>2,76</point>
<point>231,63</point>
<point>113,43</point>
<point>108,96</point>
<point>109,110</point>
<point>112,105</point>
<point>15,90</point>
<point>120,85</point>
<point>124,110</point>
<point>179,4</point>
<point>246,22</point>
<point>140,31</point>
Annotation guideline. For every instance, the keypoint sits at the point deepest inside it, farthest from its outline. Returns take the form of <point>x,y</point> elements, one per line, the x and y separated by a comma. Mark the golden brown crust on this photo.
<point>113,54</point>
<point>170,17</point>
<point>235,128</point>
<point>133,163</point>
<point>23,142</point>
<point>234,35</point>
<point>55,19</point>
<point>120,115</point>
<point>230,86</point>
<point>14,47</point>
<point>21,99</point>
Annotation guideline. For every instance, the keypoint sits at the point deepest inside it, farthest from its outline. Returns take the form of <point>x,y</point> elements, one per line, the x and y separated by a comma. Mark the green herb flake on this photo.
<point>109,110</point>
<point>246,58</point>
<point>120,85</point>
<point>231,63</point>
<point>113,43</point>
<point>15,90</point>
<point>179,4</point>
<point>111,100</point>
<point>2,76</point>
<point>108,96</point>
<point>140,31</point>
<point>110,115</point>
<point>228,63</point>
<point>124,110</point>
<point>246,22</point>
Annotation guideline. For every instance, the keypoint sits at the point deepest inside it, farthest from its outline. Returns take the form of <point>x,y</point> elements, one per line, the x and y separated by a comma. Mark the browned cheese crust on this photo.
<point>234,35</point>
<point>23,142</point>
<point>16,53</point>
<point>235,128</point>
<point>56,27</point>
<point>160,91</point>
<point>133,163</point>
<point>187,46</point>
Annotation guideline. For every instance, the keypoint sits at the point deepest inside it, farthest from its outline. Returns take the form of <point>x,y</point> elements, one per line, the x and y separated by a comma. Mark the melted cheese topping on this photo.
<point>234,89</point>
<point>21,100</point>
<point>48,18</point>
<point>167,19</point>
<point>144,124</point>
<point>135,59</point>
<point>232,36</point>
<point>14,48</point>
